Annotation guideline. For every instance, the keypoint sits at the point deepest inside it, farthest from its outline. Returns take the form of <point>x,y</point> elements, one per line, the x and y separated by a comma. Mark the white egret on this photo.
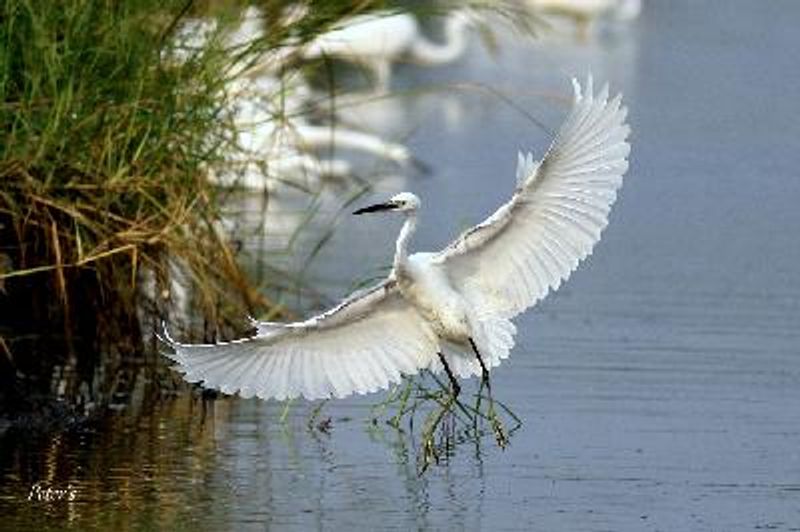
<point>584,12</point>
<point>590,9</point>
<point>449,310</point>
<point>378,39</point>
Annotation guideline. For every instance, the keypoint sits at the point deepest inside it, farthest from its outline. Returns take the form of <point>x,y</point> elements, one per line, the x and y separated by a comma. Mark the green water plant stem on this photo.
<point>447,420</point>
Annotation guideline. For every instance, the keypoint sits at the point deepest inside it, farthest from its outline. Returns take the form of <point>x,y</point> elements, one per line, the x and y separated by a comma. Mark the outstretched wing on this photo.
<point>533,242</point>
<point>364,344</point>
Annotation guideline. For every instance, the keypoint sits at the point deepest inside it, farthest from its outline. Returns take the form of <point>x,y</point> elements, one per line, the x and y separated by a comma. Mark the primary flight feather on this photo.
<point>447,310</point>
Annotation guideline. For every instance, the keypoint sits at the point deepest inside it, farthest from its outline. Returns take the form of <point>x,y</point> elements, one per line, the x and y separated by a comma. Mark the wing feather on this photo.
<point>364,344</point>
<point>556,215</point>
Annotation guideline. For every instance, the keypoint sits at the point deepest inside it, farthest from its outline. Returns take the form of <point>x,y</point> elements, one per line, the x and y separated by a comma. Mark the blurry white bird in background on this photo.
<point>275,142</point>
<point>449,310</point>
<point>591,9</point>
<point>377,39</point>
<point>585,12</point>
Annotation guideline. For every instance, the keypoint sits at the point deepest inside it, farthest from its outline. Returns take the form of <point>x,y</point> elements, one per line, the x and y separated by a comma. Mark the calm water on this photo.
<point>659,389</point>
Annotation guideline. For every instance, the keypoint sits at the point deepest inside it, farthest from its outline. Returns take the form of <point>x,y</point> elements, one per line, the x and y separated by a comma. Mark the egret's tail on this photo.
<point>494,336</point>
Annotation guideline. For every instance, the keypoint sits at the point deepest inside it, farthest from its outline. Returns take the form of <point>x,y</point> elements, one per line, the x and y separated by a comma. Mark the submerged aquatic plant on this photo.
<point>447,420</point>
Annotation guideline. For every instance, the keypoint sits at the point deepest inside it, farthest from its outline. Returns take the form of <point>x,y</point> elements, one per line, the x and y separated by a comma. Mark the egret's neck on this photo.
<point>401,249</point>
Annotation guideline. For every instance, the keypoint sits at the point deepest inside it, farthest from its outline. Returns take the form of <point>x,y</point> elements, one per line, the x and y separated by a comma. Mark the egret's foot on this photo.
<point>500,434</point>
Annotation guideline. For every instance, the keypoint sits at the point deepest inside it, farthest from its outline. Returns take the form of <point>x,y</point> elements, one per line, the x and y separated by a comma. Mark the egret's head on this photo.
<point>403,202</point>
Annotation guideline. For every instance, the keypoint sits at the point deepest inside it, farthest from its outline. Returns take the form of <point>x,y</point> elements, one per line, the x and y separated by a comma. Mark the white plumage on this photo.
<point>437,302</point>
<point>588,9</point>
<point>379,38</point>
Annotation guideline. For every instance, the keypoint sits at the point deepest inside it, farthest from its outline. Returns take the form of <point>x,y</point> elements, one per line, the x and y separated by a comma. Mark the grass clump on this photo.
<point>102,161</point>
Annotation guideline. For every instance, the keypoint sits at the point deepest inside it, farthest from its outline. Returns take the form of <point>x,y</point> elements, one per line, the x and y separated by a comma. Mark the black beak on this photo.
<point>388,206</point>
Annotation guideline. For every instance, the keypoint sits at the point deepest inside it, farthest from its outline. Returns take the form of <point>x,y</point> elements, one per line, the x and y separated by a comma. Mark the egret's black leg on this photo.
<point>453,381</point>
<point>484,370</point>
